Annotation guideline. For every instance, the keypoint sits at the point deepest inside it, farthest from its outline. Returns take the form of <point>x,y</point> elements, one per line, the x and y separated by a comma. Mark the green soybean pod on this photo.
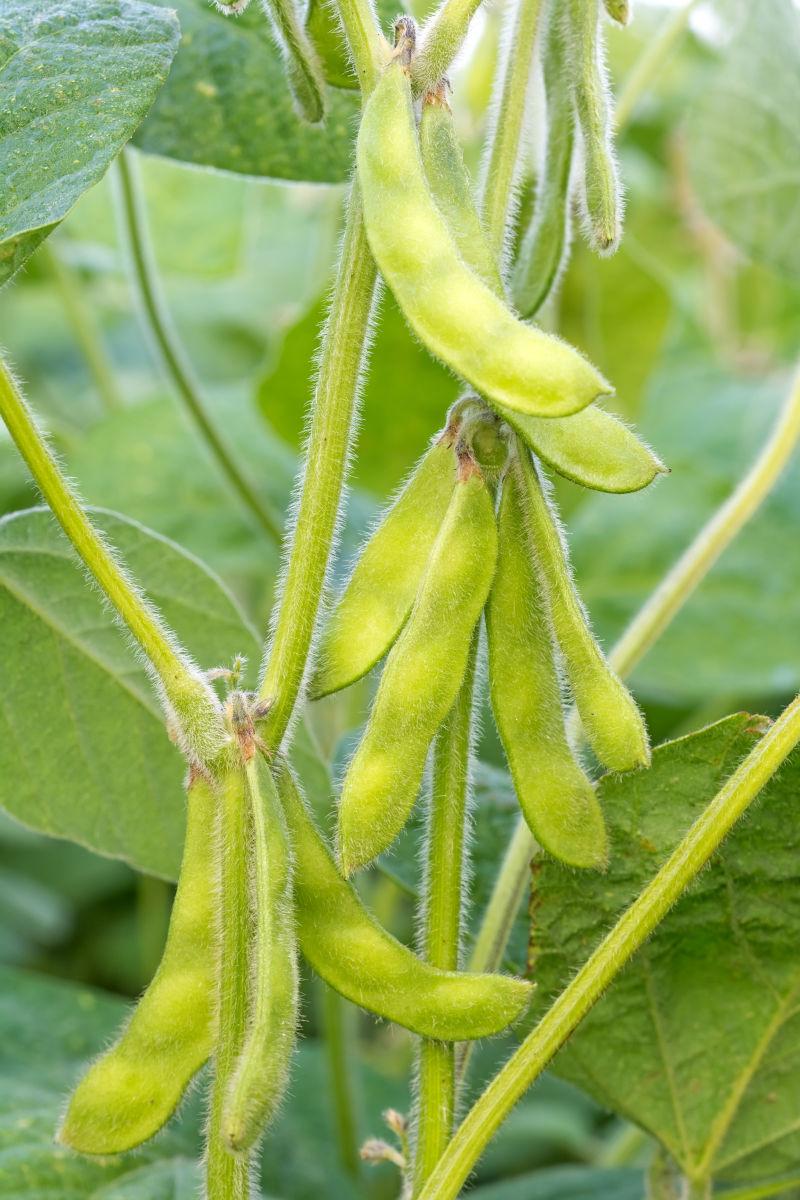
<point>612,722</point>
<point>379,595</point>
<point>131,1091</point>
<point>421,677</point>
<point>353,953</point>
<point>259,1079</point>
<point>600,191</point>
<point>449,182</point>
<point>593,448</point>
<point>620,11</point>
<point>545,244</point>
<point>452,311</point>
<point>557,799</point>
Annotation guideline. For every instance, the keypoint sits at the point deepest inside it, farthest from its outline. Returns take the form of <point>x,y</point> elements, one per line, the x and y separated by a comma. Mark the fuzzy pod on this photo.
<point>379,595</point>
<point>259,1078</point>
<point>357,957</point>
<point>612,722</point>
<point>132,1090</point>
<point>557,799</point>
<point>421,677</point>
<point>301,61</point>
<point>454,313</point>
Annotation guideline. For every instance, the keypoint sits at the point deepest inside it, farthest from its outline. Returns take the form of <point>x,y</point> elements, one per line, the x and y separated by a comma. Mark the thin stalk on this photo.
<point>762,1191</point>
<point>696,1189</point>
<point>343,355</point>
<point>337,1036</point>
<point>507,117</point>
<point>441,918</point>
<point>369,49</point>
<point>645,629</point>
<point>629,933</point>
<point>84,327</point>
<point>132,220</point>
<point>440,41</point>
<point>651,61</point>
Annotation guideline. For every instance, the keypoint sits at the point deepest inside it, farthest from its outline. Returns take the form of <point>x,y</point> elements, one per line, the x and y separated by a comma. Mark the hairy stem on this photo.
<point>368,47</point>
<point>649,63</point>
<point>133,225</point>
<point>441,923</point>
<point>440,41</point>
<point>337,1035</point>
<point>629,933</point>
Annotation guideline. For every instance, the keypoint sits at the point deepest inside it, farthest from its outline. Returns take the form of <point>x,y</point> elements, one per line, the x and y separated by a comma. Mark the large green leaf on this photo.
<point>83,752</point>
<point>227,104</point>
<point>744,139</point>
<point>76,78</point>
<point>698,1039</point>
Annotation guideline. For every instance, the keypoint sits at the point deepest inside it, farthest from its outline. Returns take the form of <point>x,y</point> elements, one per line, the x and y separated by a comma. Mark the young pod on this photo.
<point>612,722</point>
<point>557,799</point>
<point>133,1089</point>
<point>545,245</point>
<point>422,676</point>
<point>379,595</point>
<point>620,11</point>
<point>454,313</point>
<point>600,190</point>
<point>259,1078</point>
<point>353,953</point>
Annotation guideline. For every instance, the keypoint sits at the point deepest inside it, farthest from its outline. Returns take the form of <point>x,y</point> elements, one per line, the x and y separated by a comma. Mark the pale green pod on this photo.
<point>379,595</point>
<point>449,182</point>
<point>353,953</point>
<point>592,448</point>
<point>301,62</point>
<point>600,191</point>
<point>451,310</point>
<point>619,11</point>
<point>557,799</point>
<point>261,1073</point>
<point>545,245</point>
<point>131,1091</point>
<point>421,677</point>
<point>614,727</point>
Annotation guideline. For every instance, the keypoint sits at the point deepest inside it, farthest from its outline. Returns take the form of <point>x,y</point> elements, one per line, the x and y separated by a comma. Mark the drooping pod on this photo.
<point>614,727</point>
<point>453,312</point>
<point>262,1068</point>
<point>600,189</point>
<point>353,953</point>
<point>557,799</point>
<point>379,595</point>
<point>131,1091</point>
<point>545,244</point>
<point>448,180</point>
<point>421,677</point>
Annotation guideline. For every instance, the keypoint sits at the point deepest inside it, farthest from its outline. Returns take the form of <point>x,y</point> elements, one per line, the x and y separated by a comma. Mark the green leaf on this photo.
<point>83,752</point>
<point>744,140</point>
<point>566,1183</point>
<point>697,1041</point>
<point>227,105</point>
<point>76,79</point>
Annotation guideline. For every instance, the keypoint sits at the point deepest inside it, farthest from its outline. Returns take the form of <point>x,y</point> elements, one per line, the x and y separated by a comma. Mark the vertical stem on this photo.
<point>84,327</point>
<point>441,927</point>
<point>337,1033</point>
<point>368,47</point>
<point>696,1189</point>
<point>133,225</point>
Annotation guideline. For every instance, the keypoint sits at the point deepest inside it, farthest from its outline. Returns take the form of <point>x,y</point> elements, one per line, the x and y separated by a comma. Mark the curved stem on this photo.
<point>650,62</point>
<point>629,933</point>
<point>133,225</point>
<point>440,41</point>
<point>441,918</point>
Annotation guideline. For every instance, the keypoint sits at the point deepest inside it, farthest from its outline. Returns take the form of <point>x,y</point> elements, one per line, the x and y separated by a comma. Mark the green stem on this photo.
<point>629,933</point>
<point>84,327</point>
<point>333,417</point>
<point>507,116</point>
<point>645,629</point>
<point>441,927</point>
<point>133,225</point>
<point>762,1191</point>
<point>622,1149</point>
<point>337,1035</point>
<point>303,70</point>
<point>651,61</point>
<point>369,49</point>
<point>440,41</point>
<point>696,1189</point>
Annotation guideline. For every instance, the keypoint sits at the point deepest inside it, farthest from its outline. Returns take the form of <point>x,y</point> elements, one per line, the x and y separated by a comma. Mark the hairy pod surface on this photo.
<point>130,1092</point>
<point>557,799</point>
<point>379,595</point>
<point>421,677</point>
<point>452,311</point>
<point>592,448</point>
<point>261,1073</point>
<point>300,59</point>
<point>614,727</point>
<point>353,953</point>
<point>449,182</point>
